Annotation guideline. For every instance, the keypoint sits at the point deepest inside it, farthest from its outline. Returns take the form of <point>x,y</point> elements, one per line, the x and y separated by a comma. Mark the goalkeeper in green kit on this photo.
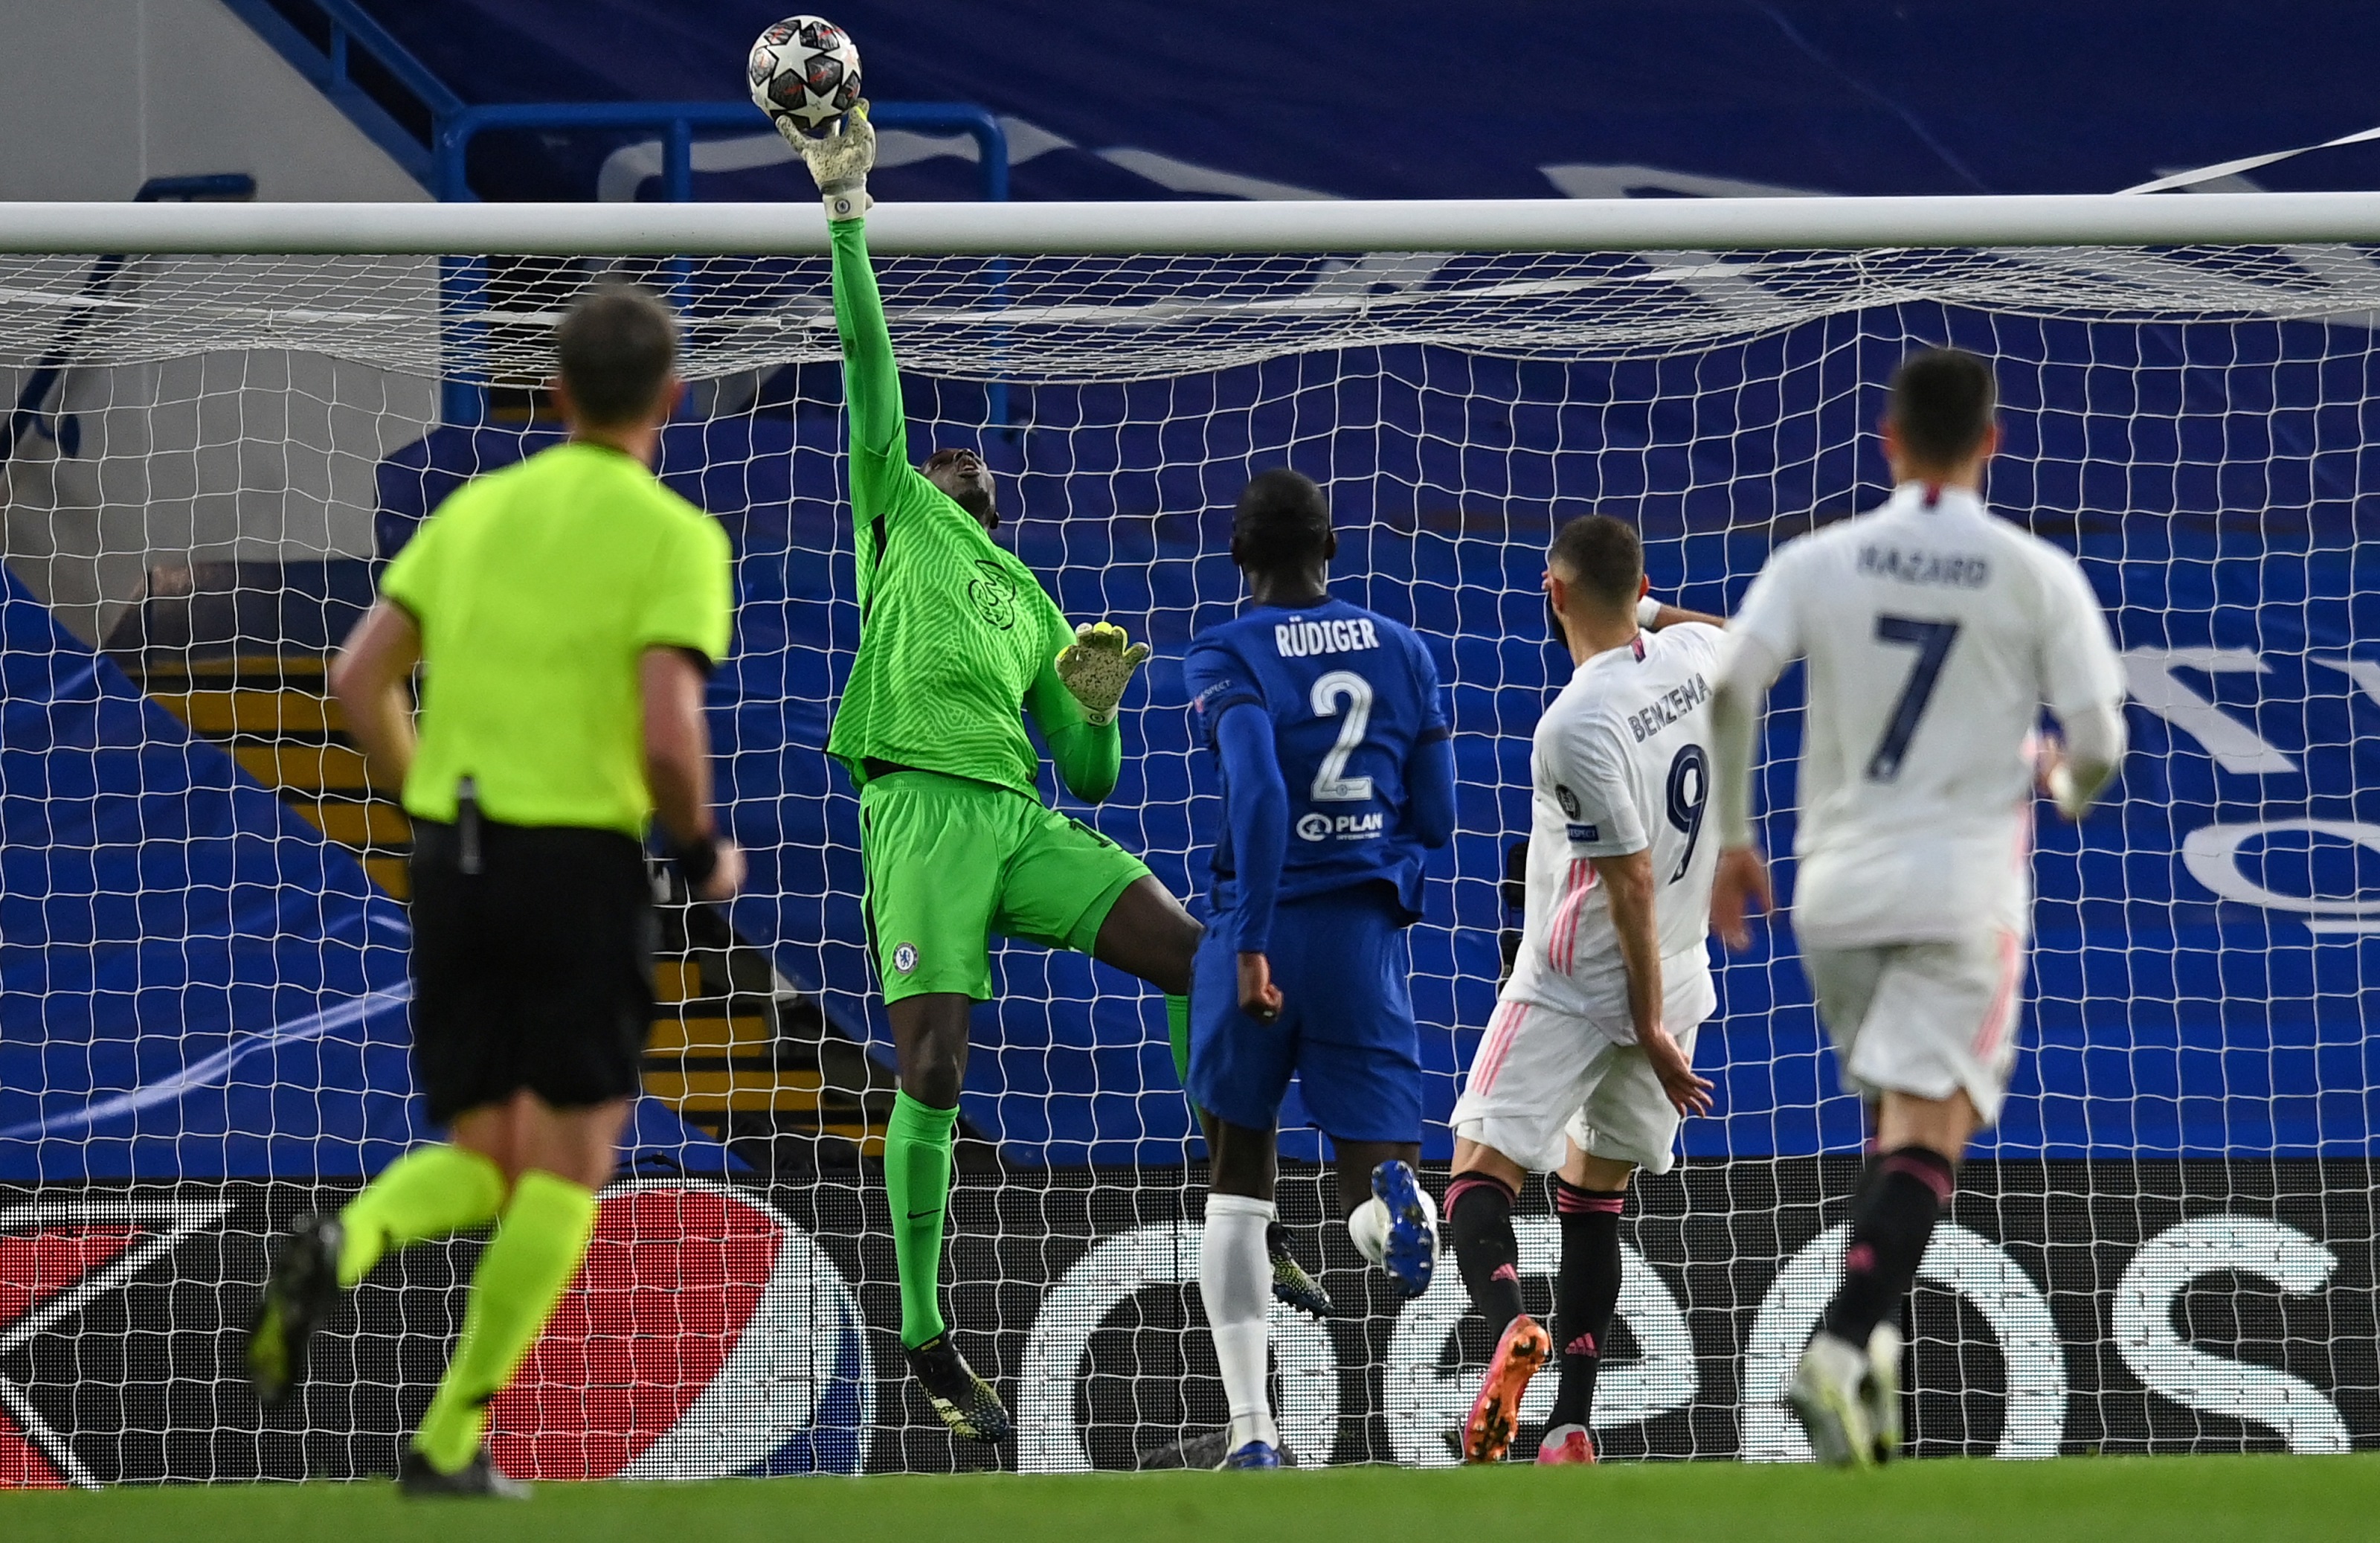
<point>956,635</point>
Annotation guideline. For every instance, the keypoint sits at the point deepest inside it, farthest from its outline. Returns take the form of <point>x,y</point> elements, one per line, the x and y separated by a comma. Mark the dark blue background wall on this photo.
<point>1404,99</point>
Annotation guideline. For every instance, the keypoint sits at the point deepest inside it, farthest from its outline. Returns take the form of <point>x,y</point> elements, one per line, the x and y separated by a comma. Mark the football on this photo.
<point>805,71</point>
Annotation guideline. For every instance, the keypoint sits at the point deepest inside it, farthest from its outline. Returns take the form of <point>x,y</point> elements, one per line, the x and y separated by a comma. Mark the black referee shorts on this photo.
<point>536,972</point>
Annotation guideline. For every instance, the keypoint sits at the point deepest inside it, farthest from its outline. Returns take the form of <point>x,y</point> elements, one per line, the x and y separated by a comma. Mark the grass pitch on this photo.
<point>2081,1500</point>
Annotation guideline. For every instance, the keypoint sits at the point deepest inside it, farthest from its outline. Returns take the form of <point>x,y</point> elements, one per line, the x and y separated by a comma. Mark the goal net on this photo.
<point>2167,1244</point>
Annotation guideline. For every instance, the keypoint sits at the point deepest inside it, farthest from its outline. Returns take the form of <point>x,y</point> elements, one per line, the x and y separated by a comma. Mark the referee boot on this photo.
<point>478,1479</point>
<point>965,1401</point>
<point>300,1295</point>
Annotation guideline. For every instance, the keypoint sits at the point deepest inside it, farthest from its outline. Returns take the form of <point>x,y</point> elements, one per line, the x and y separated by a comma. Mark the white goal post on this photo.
<point>1186,225</point>
<point>225,414</point>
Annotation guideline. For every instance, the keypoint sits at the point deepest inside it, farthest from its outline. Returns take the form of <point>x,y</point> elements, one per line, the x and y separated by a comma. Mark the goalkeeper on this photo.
<point>955,636</point>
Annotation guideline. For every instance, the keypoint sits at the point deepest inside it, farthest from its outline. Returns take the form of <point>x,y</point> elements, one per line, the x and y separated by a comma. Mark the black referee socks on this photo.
<point>1900,1198</point>
<point>1479,1215</point>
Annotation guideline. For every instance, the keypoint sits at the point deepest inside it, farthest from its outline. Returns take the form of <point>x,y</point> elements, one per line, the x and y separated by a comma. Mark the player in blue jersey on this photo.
<point>1337,776</point>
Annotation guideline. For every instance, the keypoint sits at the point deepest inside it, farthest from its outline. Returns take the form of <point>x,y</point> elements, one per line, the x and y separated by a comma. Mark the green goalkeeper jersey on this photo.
<point>956,636</point>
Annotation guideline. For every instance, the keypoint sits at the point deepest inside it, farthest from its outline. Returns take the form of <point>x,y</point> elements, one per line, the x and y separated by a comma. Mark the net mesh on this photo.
<point>2167,1244</point>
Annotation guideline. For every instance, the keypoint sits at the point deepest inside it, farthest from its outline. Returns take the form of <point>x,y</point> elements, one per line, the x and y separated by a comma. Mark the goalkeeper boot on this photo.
<point>300,1295</point>
<point>1828,1393</point>
<point>1410,1251</point>
<point>1881,1392</point>
<point>1496,1413</point>
<point>1565,1446</point>
<point>1290,1283</point>
<point>1254,1454</point>
<point>478,1479</point>
<point>965,1401</point>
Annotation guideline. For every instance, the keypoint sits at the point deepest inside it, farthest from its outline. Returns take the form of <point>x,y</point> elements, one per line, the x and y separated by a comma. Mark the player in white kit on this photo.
<point>1587,1066</point>
<point>1935,634</point>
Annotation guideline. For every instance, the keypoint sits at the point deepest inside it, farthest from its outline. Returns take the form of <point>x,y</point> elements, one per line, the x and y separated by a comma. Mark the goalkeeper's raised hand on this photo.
<point>1096,666</point>
<point>839,160</point>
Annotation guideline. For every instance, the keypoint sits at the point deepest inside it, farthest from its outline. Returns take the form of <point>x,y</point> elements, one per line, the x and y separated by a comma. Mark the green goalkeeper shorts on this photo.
<point>952,862</point>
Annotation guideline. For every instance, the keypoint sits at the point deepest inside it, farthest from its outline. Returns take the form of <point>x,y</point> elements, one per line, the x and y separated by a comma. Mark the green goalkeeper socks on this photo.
<point>1177,1028</point>
<point>527,1265</point>
<point>917,1184</point>
<point>429,1192</point>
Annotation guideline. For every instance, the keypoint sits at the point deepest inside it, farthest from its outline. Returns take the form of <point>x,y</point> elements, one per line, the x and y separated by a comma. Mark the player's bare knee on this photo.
<point>930,1041</point>
<point>1941,1125</point>
<point>932,1077</point>
<point>1609,1175</point>
<point>1149,933</point>
<point>1477,1157</point>
<point>1182,952</point>
<point>1243,1161</point>
<point>932,1068</point>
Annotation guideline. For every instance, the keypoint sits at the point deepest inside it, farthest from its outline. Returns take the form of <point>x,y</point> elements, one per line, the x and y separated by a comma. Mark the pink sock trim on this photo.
<point>1927,1170</point>
<point>1468,1181</point>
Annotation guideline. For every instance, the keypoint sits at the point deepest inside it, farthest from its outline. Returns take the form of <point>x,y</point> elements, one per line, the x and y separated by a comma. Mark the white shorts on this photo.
<point>1541,1078</point>
<point>1924,1018</point>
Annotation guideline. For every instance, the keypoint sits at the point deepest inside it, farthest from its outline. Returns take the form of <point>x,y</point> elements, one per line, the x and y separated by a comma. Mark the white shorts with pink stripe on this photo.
<point>1542,1078</point>
<point>1924,1018</point>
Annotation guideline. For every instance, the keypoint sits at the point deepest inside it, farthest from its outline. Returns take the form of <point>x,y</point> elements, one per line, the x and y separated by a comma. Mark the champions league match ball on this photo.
<point>805,71</point>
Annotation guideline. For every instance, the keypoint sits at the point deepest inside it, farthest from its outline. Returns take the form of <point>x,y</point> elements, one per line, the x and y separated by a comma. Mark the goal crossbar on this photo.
<point>1490,225</point>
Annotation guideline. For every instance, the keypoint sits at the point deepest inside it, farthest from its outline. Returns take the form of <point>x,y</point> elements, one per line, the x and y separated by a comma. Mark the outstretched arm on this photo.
<point>871,379</point>
<point>883,482</point>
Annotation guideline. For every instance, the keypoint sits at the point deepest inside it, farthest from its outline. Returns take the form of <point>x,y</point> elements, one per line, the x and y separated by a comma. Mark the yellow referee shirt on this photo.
<point>537,589</point>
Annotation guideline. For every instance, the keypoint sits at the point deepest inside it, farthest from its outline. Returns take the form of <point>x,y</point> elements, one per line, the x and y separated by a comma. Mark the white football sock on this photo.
<point>1236,1278</point>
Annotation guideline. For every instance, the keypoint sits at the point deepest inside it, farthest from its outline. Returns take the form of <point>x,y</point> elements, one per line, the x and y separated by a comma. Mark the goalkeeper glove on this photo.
<point>839,160</point>
<point>1095,667</point>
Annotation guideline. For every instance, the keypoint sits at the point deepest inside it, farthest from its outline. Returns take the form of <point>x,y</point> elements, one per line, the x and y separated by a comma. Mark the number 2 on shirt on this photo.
<point>1932,640</point>
<point>1332,783</point>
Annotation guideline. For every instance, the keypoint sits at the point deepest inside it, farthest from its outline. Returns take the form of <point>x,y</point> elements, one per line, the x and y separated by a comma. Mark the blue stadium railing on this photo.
<point>402,106</point>
<point>680,121</point>
<point>462,400</point>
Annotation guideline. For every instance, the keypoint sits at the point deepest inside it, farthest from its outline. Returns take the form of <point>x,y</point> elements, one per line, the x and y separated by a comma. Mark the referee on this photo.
<point>565,613</point>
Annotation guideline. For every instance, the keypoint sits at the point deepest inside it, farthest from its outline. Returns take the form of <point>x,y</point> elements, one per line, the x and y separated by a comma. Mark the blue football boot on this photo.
<point>1411,1254</point>
<point>1255,1454</point>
